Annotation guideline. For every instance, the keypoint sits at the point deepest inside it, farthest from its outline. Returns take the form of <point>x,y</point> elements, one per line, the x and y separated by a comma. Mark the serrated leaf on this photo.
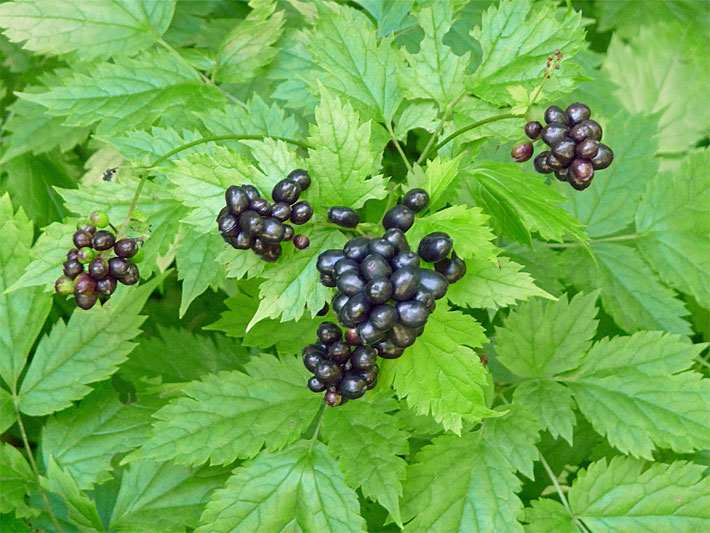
<point>493,285</point>
<point>545,515</point>
<point>441,374</point>
<point>144,147</point>
<point>163,496</point>
<point>7,410</point>
<point>673,220</point>
<point>17,480</point>
<point>516,36</point>
<point>81,510</point>
<point>83,440</point>
<point>98,29</point>
<point>539,341</point>
<point>253,118</point>
<point>624,496</point>
<point>86,349</point>
<point>419,114</point>
<point>390,16</point>
<point>354,64</point>
<point>198,268</point>
<point>435,179</point>
<point>369,457</point>
<point>127,94</point>
<point>297,489</point>
<point>233,415</point>
<point>22,312</point>
<point>552,403</point>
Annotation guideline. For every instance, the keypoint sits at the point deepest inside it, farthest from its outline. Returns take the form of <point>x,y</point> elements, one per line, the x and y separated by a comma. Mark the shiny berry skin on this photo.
<point>84,284</point>
<point>343,216</point>
<point>332,398</point>
<point>383,317</point>
<point>323,310</point>
<point>273,231</point>
<point>64,285</point>
<point>426,297</point>
<point>281,211</point>
<point>117,267</point>
<point>379,290</point>
<point>589,129</point>
<point>315,385</point>
<point>522,152</point>
<point>555,115</point>
<point>272,252</point>
<point>73,254</point>
<point>382,248</point>
<point>370,376</point>
<point>98,268</point>
<point>131,276</point>
<point>106,286</point>
<point>554,133</point>
<point>435,246</point>
<point>357,309</point>
<point>577,113</point>
<point>86,301</point>
<point>301,177</point>
<point>261,206</point>
<point>396,238</point>
<point>329,333</point>
<point>344,320</point>
<point>564,150</point>
<point>81,239</point>
<point>433,282</point>
<point>416,200</point>
<point>251,192</point>
<point>87,228</point>
<point>72,268</point>
<point>345,265</point>
<point>251,223</point>
<point>577,184</point>
<point>289,233</point>
<point>125,247</point>
<point>352,338</point>
<point>99,218</point>
<point>399,216</point>
<point>237,200</point>
<point>339,352</point>
<point>228,225</point>
<point>357,248</point>
<point>339,300</point>
<point>259,247</point>
<point>301,242</point>
<point>364,358</point>
<point>350,283</point>
<point>555,163</point>
<point>603,158</point>
<point>103,240</point>
<point>375,266</point>
<point>352,386</point>
<point>412,313</point>
<point>404,283</point>
<point>369,334</point>
<point>582,169</point>
<point>287,191</point>
<point>387,349</point>
<point>327,260</point>
<point>533,129</point>
<point>328,372</point>
<point>402,336</point>
<point>85,255</point>
<point>405,259</point>
<point>326,280</point>
<point>563,174</point>
<point>301,212</point>
<point>587,149</point>
<point>242,241</point>
<point>540,163</point>
<point>452,269</point>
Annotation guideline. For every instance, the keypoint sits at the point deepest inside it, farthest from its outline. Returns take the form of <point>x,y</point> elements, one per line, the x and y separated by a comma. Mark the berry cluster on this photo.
<point>383,301</point>
<point>574,141</point>
<point>94,248</point>
<point>250,221</point>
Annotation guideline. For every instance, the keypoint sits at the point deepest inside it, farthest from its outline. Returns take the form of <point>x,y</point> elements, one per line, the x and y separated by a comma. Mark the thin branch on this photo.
<point>439,128</point>
<point>398,147</point>
<point>618,238</point>
<point>561,493</point>
<point>472,126</point>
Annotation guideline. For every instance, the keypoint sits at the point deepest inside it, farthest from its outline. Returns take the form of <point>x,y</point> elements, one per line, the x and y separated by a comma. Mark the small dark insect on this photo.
<point>109,172</point>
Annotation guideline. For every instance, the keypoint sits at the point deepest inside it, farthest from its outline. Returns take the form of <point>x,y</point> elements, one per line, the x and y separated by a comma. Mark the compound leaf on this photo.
<point>81,510</point>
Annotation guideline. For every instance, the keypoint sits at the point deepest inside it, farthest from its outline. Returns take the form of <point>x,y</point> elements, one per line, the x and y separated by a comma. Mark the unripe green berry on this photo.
<point>85,255</point>
<point>64,286</point>
<point>99,219</point>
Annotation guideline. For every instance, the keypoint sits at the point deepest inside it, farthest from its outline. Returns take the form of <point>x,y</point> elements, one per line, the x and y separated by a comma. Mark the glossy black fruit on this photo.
<point>405,259</point>
<point>375,266</point>
<point>353,386</point>
<point>87,228</point>
<point>388,349</point>
<point>577,113</point>
<point>402,336</point>
<point>272,252</point>
<point>555,163</point>
<point>237,199</point>
<point>603,158</point>
<point>435,246</point>
<point>106,286</point>
<point>577,184</point>
<point>86,301</point>
<point>563,174</point>
<point>589,129</point>
<point>350,283</point>
<point>364,357</point>
<point>412,313</point>
<point>102,240</point>
<point>587,149</point>
<point>426,297</point>
<point>399,216</point>
<point>555,115</point>
<point>251,192</point>
<point>301,213</point>
<point>328,372</point>
<point>273,231</point>
<point>357,248</point>
<point>98,268</point>
<point>125,247</point>
<point>522,152</point>
<point>332,398</point>
<point>316,385</point>
<point>329,333</point>
<point>84,284</point>
<point>228,225</point>
<point>396,238</point>
<point>286,190</point>
<point>339,352</point>
<point>382,248</point>
<point>301,177</point>
<point>540,163</point>
<point>326,280</point>
<point>251,223</point>
<point>416,200</point>
<point>582,169</point>
<point>242,241</point>
<point>72,268</point>
<point>345,265</point>
<point>370,376</point>
<point>554,133</point>
<point>281,211</point>
<point>343,216</point>
<point>369,334</point>
<point>339,300</point>
<point>433,282</point>
<point>261,206</point>
<point>131,276</point>
<point>301,242</point>
<point>117,267</point>
<point>379,290</point>
<point>564,150</point>
<point>404,283</point>
<point>383,317</point>
<point>452,269</point>
<point>357,309</point>
<point>289,233</point>
<point>73,254</point>
<point>311,359</point>
<point>327,260</point>
<point>533,129</point>
<point>81,239</point>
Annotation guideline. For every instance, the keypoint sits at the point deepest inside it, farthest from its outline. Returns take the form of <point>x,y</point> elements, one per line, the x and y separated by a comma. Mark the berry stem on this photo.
<point>398,147</point>
<point>134,203</point>
<point>470,127</point>
<point>321,415</point>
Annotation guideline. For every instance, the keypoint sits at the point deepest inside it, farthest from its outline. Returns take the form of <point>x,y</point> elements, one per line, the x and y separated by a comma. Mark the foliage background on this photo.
<point>182,404</point>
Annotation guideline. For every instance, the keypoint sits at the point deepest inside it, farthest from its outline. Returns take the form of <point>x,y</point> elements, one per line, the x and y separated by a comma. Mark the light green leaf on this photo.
<point>516,37</point>
<point>435,72</point>
<point>268,406</point>
<point>493,285</point>
<point>625,496</point>
<point>17,480</point>
<point>418,114</point>
<point>552,403</point>
<point>7,410</point>
<point>342,156</point>
<point>635,392</point>
<point>163,496</point>
<point>253,118</point>
<point>81,510</point>
<point>197,263</point>
<point>370,454</point>
<point>88,348</point>
<point>249,46</point>
<point>297,489</point>
<point>390,16</point>
<point>543,341</point>
<point>545,515</point>
<point>128,94</point>
<point>83,440</point>
<point>440,374</point>
<point>22,312</point>
<point>144,147</point>
<point>97,29</point>
<point>276,159</point>
<point>435,179</point>
<point>354,64</point>
<point>673,220</point>
<point>628,17</point>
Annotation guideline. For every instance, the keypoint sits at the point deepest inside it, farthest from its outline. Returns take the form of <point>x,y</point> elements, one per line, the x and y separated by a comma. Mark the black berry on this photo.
<point>329,333</point>
<point>131,276</point>
<point>301,242</point>
<point>72,268</point>
<point>375,266</point>
<point>435,246</point>
<point>522,152</point>
<point>273,231</point>
<point>125,248</point>
<point>281,211</point>
<point>84,284</point>
<point>433,282</point>
<point>452,269</point>
<point>383,317</point>
<point>102,240</point>
<point>251,192</point>
<point>343,216</point>
<point>582,169</point>
<point>237,199</point>
<point>242,241</point>
<point>577,113</point>
<point>364,357</point>
<point>405,259</point>
<point>328,372</point>
<point>289,233</point>
<point>316,385</point>
<point>533,129</point>
<point>379,290</point>
<point>106,286</point>
<point>301,213</point>
<point>327,260</point>
<point>555,115</point>
<point>564,150</point>
<point>403,336</point>
<point>399,216</point>
<point>81,239</point>
<point>370,334</point>
<point>117,267</point>
<point>388,349</point>
<point>86,301</point>
<point>416,200</point>
<point>382,248</point>
<point>554,133</point>
<point>251,223</point>
<point>228,225</point>
<point>261,206</point>
<point>98,268</point>
<point>396,238</point>
<point>301,177</point>
<point>357,248</point>
<point>352,386</point>
<point>287,191</point>
<point>603,158</point>
<point>404,283</point>
<point>540,163</point>
<point>412,313</point>
<point>350,283</point>
<point>587,149</point>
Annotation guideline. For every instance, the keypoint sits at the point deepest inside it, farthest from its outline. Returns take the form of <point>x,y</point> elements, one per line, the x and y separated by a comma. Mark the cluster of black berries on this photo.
<point>93,248</point>
<point>383,301</point>
<point>250,221</point>
<point>574,141</point>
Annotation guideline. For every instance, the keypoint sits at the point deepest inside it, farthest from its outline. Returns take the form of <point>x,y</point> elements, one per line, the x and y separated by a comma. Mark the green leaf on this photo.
<point>354,64</point>
<point>491,285</point>
<point>88,348</point>
<point>22,312</point>
<point>545,515</point>
<point>552,403</point>
<point>370,455</point>
<point>249,46</point>
<point>390,16</point>
<point>435,72</point>
<point>516,37</point>
<point>466,226</point>
<point>519,199</point>
<point>673,220</point>
<point>635,392</point>
<point>81,510</point>
<point>17,480</point>
<point>627,18</point>
<point>83,440</point>
<point>435,179</point>
<point>440,374</point>
<point>253,118</point>
<point>7,410</point>
<point>128,94</point>
<point>416,115</point>
<point>268,406</point>
<point>609,204</point>
<point>651,79</point>
<point>196,263</point>
<point>99,29</point>
<point>342,156</point>
<point>297,489</point>
<point>143,147</point>
<point>163,496</point>
<point>539,341</point>
<point>630,291</point>
<point>626,496</point>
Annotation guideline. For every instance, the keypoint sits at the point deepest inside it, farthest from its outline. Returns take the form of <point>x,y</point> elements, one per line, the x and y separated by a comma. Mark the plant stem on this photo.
<point>398,147</point>
<point>560,493</point>
<point>134,203</point>
<point>439,128</point>
<point>618,238</point>
<point>475,125</point>
<point>318,424</point>
<point>35,470</point>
